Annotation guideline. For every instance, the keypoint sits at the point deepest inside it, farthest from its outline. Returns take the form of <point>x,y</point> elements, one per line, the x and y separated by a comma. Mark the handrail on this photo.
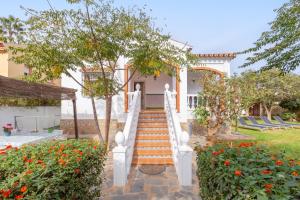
<point>181,151</point>
<point>123,152</point>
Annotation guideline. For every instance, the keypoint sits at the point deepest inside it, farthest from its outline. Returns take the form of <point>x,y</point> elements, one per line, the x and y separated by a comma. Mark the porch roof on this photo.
<point>217,55</point>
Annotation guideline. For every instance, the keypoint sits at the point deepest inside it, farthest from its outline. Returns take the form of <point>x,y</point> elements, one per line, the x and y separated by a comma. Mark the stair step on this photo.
<point>149,125</point>
<point>154,121</point>
<point>153,112</point>
<point>152,144</point>
<point>160,132</point>
<point>152,152</point>
<point>152,137</point>
<point>156,161</point>
<point>159,116</point>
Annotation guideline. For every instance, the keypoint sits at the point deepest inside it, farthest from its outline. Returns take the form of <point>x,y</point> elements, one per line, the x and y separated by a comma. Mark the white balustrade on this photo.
<point>192,101</point>
<point>123,152</point>
<point>181,151</point>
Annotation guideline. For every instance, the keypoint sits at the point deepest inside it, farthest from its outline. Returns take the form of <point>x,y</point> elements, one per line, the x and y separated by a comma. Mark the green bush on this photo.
<point>246,172</point>
<point>54,170</point>
<point>287,116</point>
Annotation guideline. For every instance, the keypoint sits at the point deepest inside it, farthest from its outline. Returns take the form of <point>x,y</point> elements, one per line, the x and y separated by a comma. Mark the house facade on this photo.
<point>152,88</point>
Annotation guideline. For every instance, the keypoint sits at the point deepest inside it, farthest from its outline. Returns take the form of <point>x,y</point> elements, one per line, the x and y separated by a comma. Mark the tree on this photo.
<point>268,88</point>
<point>96,36</point>
<point>220,102</point>
<point>11,29</point>
<point>279,47</point>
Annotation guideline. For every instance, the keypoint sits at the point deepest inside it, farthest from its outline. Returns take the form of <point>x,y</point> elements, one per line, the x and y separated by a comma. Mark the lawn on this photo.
<point>286,140</point>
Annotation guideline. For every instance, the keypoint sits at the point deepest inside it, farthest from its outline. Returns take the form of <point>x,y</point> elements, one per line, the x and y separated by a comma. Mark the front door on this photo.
<point>142,89</point>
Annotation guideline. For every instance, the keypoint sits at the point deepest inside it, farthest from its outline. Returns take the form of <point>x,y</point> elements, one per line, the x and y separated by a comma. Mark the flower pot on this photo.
<point>7,133</point>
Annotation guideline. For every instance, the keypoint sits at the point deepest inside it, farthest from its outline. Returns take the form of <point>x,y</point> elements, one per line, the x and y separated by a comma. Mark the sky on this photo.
<point>209,26</point>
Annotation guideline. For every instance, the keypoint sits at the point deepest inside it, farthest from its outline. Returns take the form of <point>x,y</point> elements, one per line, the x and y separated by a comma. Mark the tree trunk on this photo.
<point>96,119</point>
<point>269,112</point>
<point>211,135</point>
<point>108,103</point>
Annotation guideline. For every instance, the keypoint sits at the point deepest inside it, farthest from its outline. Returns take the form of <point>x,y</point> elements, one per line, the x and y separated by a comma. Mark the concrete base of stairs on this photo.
<point>149,187</point>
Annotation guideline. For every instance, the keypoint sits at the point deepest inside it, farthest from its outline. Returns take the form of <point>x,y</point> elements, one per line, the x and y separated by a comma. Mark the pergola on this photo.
<point>21,89</point>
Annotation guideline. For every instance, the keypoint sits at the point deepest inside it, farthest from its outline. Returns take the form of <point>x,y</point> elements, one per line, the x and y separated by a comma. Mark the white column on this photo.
<point>183,94</point>
<point>119,161</point>
<point>185,161</point>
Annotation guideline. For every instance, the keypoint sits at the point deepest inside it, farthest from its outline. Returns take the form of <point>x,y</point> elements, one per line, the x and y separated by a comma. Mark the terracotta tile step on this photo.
<point>147,125</point>
<point>154,152</point>
<point>147,131</point>
<point>152,144</point>
<point>161,121</point>
<point>157,161</point>
<point>152,111</point>
<point>152,137</point>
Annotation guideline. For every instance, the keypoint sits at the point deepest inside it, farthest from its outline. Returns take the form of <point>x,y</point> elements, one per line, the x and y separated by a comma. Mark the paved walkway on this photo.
<point>151,187</point>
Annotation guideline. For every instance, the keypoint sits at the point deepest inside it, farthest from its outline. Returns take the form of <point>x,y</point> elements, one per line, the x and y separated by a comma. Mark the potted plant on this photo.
<point>7,129</point>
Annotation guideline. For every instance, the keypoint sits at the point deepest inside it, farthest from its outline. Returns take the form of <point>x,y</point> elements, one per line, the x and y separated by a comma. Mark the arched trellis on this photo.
<point>126,76</point>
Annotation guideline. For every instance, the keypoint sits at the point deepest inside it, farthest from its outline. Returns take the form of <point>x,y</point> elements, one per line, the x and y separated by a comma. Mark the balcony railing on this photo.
<point>192,101</point>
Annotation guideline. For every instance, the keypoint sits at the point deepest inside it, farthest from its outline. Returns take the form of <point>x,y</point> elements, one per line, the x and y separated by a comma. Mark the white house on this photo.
<point>152,91</point>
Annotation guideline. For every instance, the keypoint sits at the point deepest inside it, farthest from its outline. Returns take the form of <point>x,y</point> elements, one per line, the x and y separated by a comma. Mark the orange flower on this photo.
<point>294,173</point>
<point>40,162</point>
<point>246,144</point>
<point>19,197</point>
<point>268,187</point>
<point>61,162</point>
<point>28,172</point>
<point>77,171</point>
<point>24,158</point>
<point>237,173</point>
<point>23,189</point>
<point>227,162</point>
<point>6,193</point>
<point>266,171</point>
<point>278,163</point>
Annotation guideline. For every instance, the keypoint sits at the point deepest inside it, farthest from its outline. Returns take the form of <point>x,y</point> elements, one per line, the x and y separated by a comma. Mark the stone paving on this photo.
<point>151,187</point>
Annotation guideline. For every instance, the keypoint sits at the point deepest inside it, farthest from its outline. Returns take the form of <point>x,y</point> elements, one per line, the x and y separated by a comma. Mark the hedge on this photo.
<point>246,171</point>
<point>68,169</point>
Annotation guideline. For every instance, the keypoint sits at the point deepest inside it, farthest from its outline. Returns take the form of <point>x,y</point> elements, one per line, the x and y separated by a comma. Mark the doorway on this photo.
<point>142,89</point>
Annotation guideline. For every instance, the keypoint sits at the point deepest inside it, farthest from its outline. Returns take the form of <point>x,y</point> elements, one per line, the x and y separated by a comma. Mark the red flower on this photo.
<point>78,159</point>
<point>8,147</point>
<point>6,193</point>
<point>2,152</point>
<point>266,172</point>
<point>40,162</point>
<point>268,188</point>
<point>77,171</point>
<point>23,189</point>
<point>215,153</point>
<point>295,173</point>
<point>95,147</point>
<point>237,173</point>
<point>29,160</point>
<point>278,163</point>
<point>227,162</point>
<point>19,197</point>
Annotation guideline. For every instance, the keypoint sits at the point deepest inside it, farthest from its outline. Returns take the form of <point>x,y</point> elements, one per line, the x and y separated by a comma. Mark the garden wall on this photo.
<point>31,117</point>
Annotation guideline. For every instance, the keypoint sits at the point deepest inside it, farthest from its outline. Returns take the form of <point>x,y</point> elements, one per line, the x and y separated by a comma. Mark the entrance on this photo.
<point>142,89</point>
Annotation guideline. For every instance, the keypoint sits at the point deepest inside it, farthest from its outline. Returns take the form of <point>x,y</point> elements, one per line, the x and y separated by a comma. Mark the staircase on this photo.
<point>152,144</point>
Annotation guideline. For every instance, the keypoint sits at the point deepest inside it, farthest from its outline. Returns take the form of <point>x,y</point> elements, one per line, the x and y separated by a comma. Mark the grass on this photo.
<point>286,140</point>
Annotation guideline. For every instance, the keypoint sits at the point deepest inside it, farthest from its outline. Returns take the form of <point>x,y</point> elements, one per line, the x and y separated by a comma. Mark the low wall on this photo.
<point>30,118</point>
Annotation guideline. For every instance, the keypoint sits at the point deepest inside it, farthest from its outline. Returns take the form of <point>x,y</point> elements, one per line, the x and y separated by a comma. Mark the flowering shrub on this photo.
<point>54,170</point>
<point>246,171</point>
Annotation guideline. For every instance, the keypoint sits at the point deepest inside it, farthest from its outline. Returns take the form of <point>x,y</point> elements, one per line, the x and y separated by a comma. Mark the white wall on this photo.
<point>48,115</point>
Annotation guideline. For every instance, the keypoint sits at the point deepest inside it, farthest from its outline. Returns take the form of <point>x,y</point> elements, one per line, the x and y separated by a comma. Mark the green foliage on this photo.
<point>53,170</point>
<point>290,104</point>
<point>246,172</point>
<point>201,114</point>
<point>28,102</point>
<point>288,116</point>
<point>279,46</point>
<point>11,29</point>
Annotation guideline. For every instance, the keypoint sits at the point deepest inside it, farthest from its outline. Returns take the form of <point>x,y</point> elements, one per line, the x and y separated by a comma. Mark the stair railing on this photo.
<point>181,152</point>
<point>123,152</point>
